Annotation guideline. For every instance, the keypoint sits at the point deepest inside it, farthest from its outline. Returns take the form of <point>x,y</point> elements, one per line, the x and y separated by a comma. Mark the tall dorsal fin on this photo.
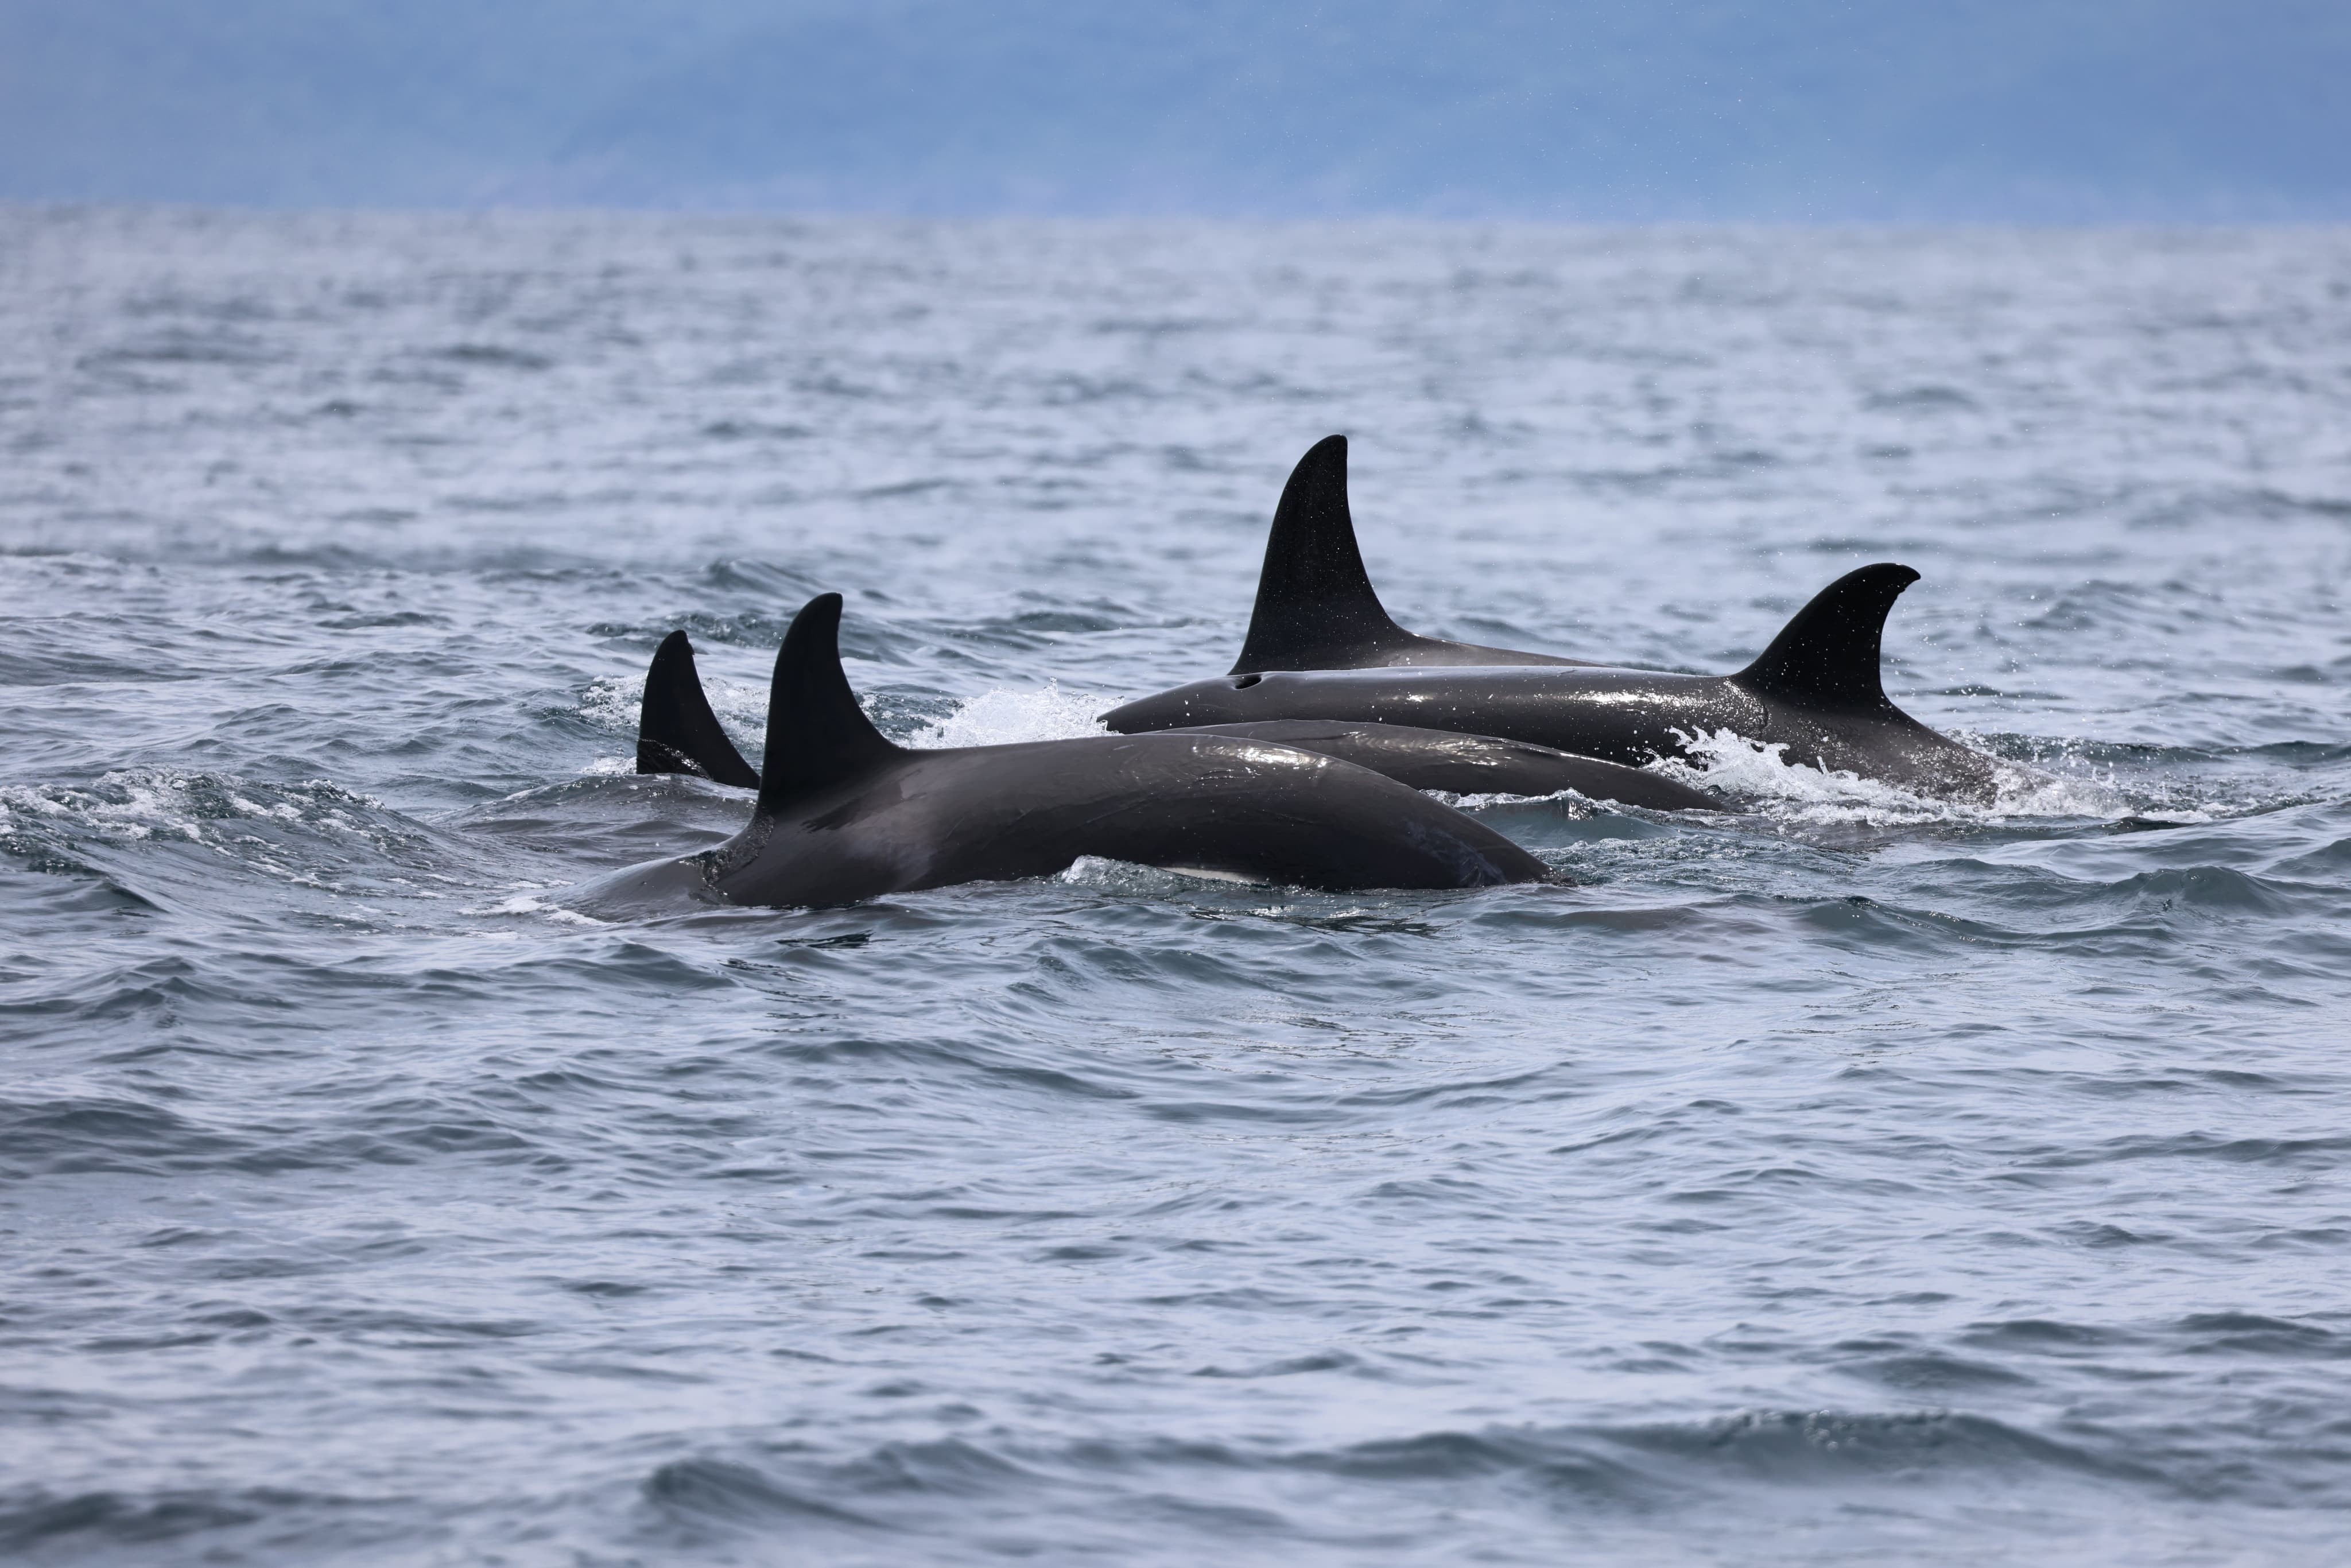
<point>1315,607</point>
<point>676,731</point>
<point>1827,655</point>
<point>816,735</point>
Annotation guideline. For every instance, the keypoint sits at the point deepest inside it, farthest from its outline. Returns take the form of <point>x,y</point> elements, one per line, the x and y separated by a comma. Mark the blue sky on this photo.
<point>2036,111</point>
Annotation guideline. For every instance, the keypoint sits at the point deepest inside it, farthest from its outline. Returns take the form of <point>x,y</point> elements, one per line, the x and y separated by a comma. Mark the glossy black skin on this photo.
<point>1629,717</point>
<point>676,731</point>
<point>996,813</point>
<point>1471,764</point>
<point>1413,650</point>
<point>843,814</point>
<point>1816,688</point>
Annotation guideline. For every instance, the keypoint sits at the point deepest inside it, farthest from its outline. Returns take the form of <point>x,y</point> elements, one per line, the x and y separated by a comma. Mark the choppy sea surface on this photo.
<point>1839,1177</point>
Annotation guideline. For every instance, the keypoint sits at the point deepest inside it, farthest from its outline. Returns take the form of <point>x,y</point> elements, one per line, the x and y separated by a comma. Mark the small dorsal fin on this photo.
<point>816,735</point>
<point>676,731</point>
<point>1315,607</point>
<point>1826,656</point>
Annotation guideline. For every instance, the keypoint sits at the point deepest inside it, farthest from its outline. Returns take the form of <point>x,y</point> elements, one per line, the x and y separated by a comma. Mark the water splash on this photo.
<point>1759,775</point>
<point>1005,715</point>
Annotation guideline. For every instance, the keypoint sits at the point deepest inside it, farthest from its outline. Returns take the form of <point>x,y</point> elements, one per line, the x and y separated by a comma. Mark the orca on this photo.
<point>677,733</point>
<point>845,815</point>
<point>1469,764</point>
<point>1816,690</point>
<point>1315,606</point>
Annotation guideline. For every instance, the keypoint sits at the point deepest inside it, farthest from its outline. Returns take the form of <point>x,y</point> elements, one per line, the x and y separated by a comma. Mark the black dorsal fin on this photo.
<point>816,735</point>
<point>1827,655</point>
<point>676,731</point>
<point>1315,608</point>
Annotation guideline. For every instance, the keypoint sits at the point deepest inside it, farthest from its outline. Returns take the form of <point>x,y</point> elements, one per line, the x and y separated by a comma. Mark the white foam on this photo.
<point>1005,716</point>
<point>1091,871</point>
<point>517,904</point>
<point>741,708</point>
<point>1777,788</point>
<point>1576,804</point>
<point>531,904</point>
<point>614,702</point>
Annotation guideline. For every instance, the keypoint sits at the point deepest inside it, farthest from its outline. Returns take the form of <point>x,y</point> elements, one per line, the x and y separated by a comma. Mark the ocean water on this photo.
<point>1839,1177</point>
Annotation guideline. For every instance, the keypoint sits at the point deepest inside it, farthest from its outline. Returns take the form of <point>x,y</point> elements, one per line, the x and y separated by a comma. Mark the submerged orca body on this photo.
<point>1815,690</point>
<point>1469,764</point>
<point>844,815</point>
<point>1315,606</point>
<point>677,733</point>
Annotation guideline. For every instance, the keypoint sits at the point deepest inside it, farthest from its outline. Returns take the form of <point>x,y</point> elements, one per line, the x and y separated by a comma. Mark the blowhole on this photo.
<point>1246,681</point>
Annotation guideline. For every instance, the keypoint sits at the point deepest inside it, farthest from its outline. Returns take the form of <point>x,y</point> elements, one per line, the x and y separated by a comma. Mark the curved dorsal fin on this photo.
<point>1826,656</point>
<point>676,731</point>
<point>1315,607</point>
<point>816,735</point>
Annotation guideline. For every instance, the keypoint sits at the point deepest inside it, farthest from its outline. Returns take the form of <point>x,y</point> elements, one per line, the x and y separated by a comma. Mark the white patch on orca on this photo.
<point>1206,875</point>
<point>1133,877</point>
